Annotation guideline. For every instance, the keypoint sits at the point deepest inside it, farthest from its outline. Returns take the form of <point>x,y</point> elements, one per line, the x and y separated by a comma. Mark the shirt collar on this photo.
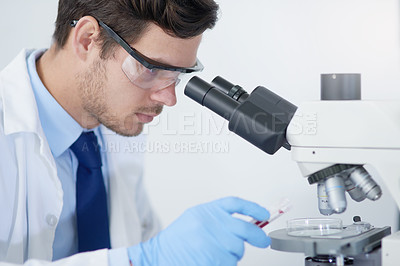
<point>60,128</point>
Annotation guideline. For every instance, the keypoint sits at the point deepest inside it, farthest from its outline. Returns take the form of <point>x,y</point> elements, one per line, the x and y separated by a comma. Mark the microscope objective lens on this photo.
<point>335,190</point>
<point>361,179</point>
<point>355,193</point>
<point>323,204</point>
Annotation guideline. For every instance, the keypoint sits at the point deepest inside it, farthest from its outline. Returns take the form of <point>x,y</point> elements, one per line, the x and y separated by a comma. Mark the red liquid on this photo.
<point>261,224</point>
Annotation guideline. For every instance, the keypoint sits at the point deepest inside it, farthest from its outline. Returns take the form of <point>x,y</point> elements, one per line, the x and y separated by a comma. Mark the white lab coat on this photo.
<point>31,196</point>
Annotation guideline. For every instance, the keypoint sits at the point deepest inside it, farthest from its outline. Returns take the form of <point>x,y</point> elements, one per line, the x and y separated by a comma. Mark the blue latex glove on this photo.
<point>204,235</point>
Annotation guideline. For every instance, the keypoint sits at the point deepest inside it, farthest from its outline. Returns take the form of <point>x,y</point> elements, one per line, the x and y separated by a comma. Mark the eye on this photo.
<point>149,74</point>
<point>152,72</point>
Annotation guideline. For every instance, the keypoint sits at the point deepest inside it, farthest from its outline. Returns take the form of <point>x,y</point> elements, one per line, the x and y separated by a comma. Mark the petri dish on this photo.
<point>314,226</point>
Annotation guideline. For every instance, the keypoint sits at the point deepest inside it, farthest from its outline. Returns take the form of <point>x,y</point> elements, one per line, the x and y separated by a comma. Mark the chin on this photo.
<point>128,132</point>
<point>124,129</point>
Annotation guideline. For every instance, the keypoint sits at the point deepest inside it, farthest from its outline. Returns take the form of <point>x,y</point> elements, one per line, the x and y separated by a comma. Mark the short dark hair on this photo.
<point>129,18</point>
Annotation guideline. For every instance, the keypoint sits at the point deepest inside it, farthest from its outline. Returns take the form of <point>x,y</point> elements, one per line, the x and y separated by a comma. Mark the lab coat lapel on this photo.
<point>125,227</point>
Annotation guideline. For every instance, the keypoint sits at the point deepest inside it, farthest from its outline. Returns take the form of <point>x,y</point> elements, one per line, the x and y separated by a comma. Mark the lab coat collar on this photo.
<point>60,128</point>
<point>20,113</point>
<point>19,109</point>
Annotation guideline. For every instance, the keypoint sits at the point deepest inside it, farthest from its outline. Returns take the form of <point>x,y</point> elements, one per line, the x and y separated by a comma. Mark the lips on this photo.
<point>145,118</point>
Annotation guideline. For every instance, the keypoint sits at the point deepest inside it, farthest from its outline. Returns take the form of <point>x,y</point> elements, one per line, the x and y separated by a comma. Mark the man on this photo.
<point>115,63</point>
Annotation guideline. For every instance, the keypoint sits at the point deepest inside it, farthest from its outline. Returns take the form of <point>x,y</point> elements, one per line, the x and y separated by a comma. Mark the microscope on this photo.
<point>333,141</point>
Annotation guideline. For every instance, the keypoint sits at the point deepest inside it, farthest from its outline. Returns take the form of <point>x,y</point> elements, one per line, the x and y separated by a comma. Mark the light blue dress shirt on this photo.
<point>62,131</point>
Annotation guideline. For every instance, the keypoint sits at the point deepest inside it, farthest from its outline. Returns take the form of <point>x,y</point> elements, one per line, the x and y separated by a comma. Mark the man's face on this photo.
<point>109,96</point>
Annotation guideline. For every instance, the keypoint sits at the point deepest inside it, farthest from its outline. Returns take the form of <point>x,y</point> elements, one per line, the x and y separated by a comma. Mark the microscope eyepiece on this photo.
<point>234,91</point>
<point>210,97</point>
<point>260,118</point>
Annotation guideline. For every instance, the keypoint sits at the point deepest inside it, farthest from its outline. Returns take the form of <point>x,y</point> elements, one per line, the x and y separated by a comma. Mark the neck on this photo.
<point>58,72</point>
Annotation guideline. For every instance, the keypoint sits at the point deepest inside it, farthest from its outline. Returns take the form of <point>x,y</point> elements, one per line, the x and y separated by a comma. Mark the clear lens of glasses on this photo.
<point>149,79</point>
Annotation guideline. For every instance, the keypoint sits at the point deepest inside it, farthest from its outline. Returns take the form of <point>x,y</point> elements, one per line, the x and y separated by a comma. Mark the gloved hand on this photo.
<point>204,235</point>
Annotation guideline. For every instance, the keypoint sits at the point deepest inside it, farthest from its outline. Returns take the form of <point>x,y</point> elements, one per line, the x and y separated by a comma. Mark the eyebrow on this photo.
<point>155,61</point>
<point>160,61</point>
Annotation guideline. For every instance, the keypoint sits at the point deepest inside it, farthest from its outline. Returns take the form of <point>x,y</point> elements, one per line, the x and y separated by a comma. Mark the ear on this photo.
<point>84,36</point>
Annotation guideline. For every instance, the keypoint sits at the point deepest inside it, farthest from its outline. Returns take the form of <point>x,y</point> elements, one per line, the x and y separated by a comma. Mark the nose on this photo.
<point>166,96</point>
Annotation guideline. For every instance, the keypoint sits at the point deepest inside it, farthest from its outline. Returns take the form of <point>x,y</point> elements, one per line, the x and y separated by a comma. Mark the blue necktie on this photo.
<point>91,198</point>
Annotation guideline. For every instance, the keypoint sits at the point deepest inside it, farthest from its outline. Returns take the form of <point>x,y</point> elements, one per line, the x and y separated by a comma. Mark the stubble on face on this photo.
<point>93,93</point>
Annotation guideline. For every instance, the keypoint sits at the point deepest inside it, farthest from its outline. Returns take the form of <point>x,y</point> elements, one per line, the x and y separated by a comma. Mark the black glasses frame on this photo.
<point>140,57</point>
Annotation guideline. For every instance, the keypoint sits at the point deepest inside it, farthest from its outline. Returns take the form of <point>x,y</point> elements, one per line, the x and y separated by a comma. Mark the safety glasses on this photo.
<point>145,72</point>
